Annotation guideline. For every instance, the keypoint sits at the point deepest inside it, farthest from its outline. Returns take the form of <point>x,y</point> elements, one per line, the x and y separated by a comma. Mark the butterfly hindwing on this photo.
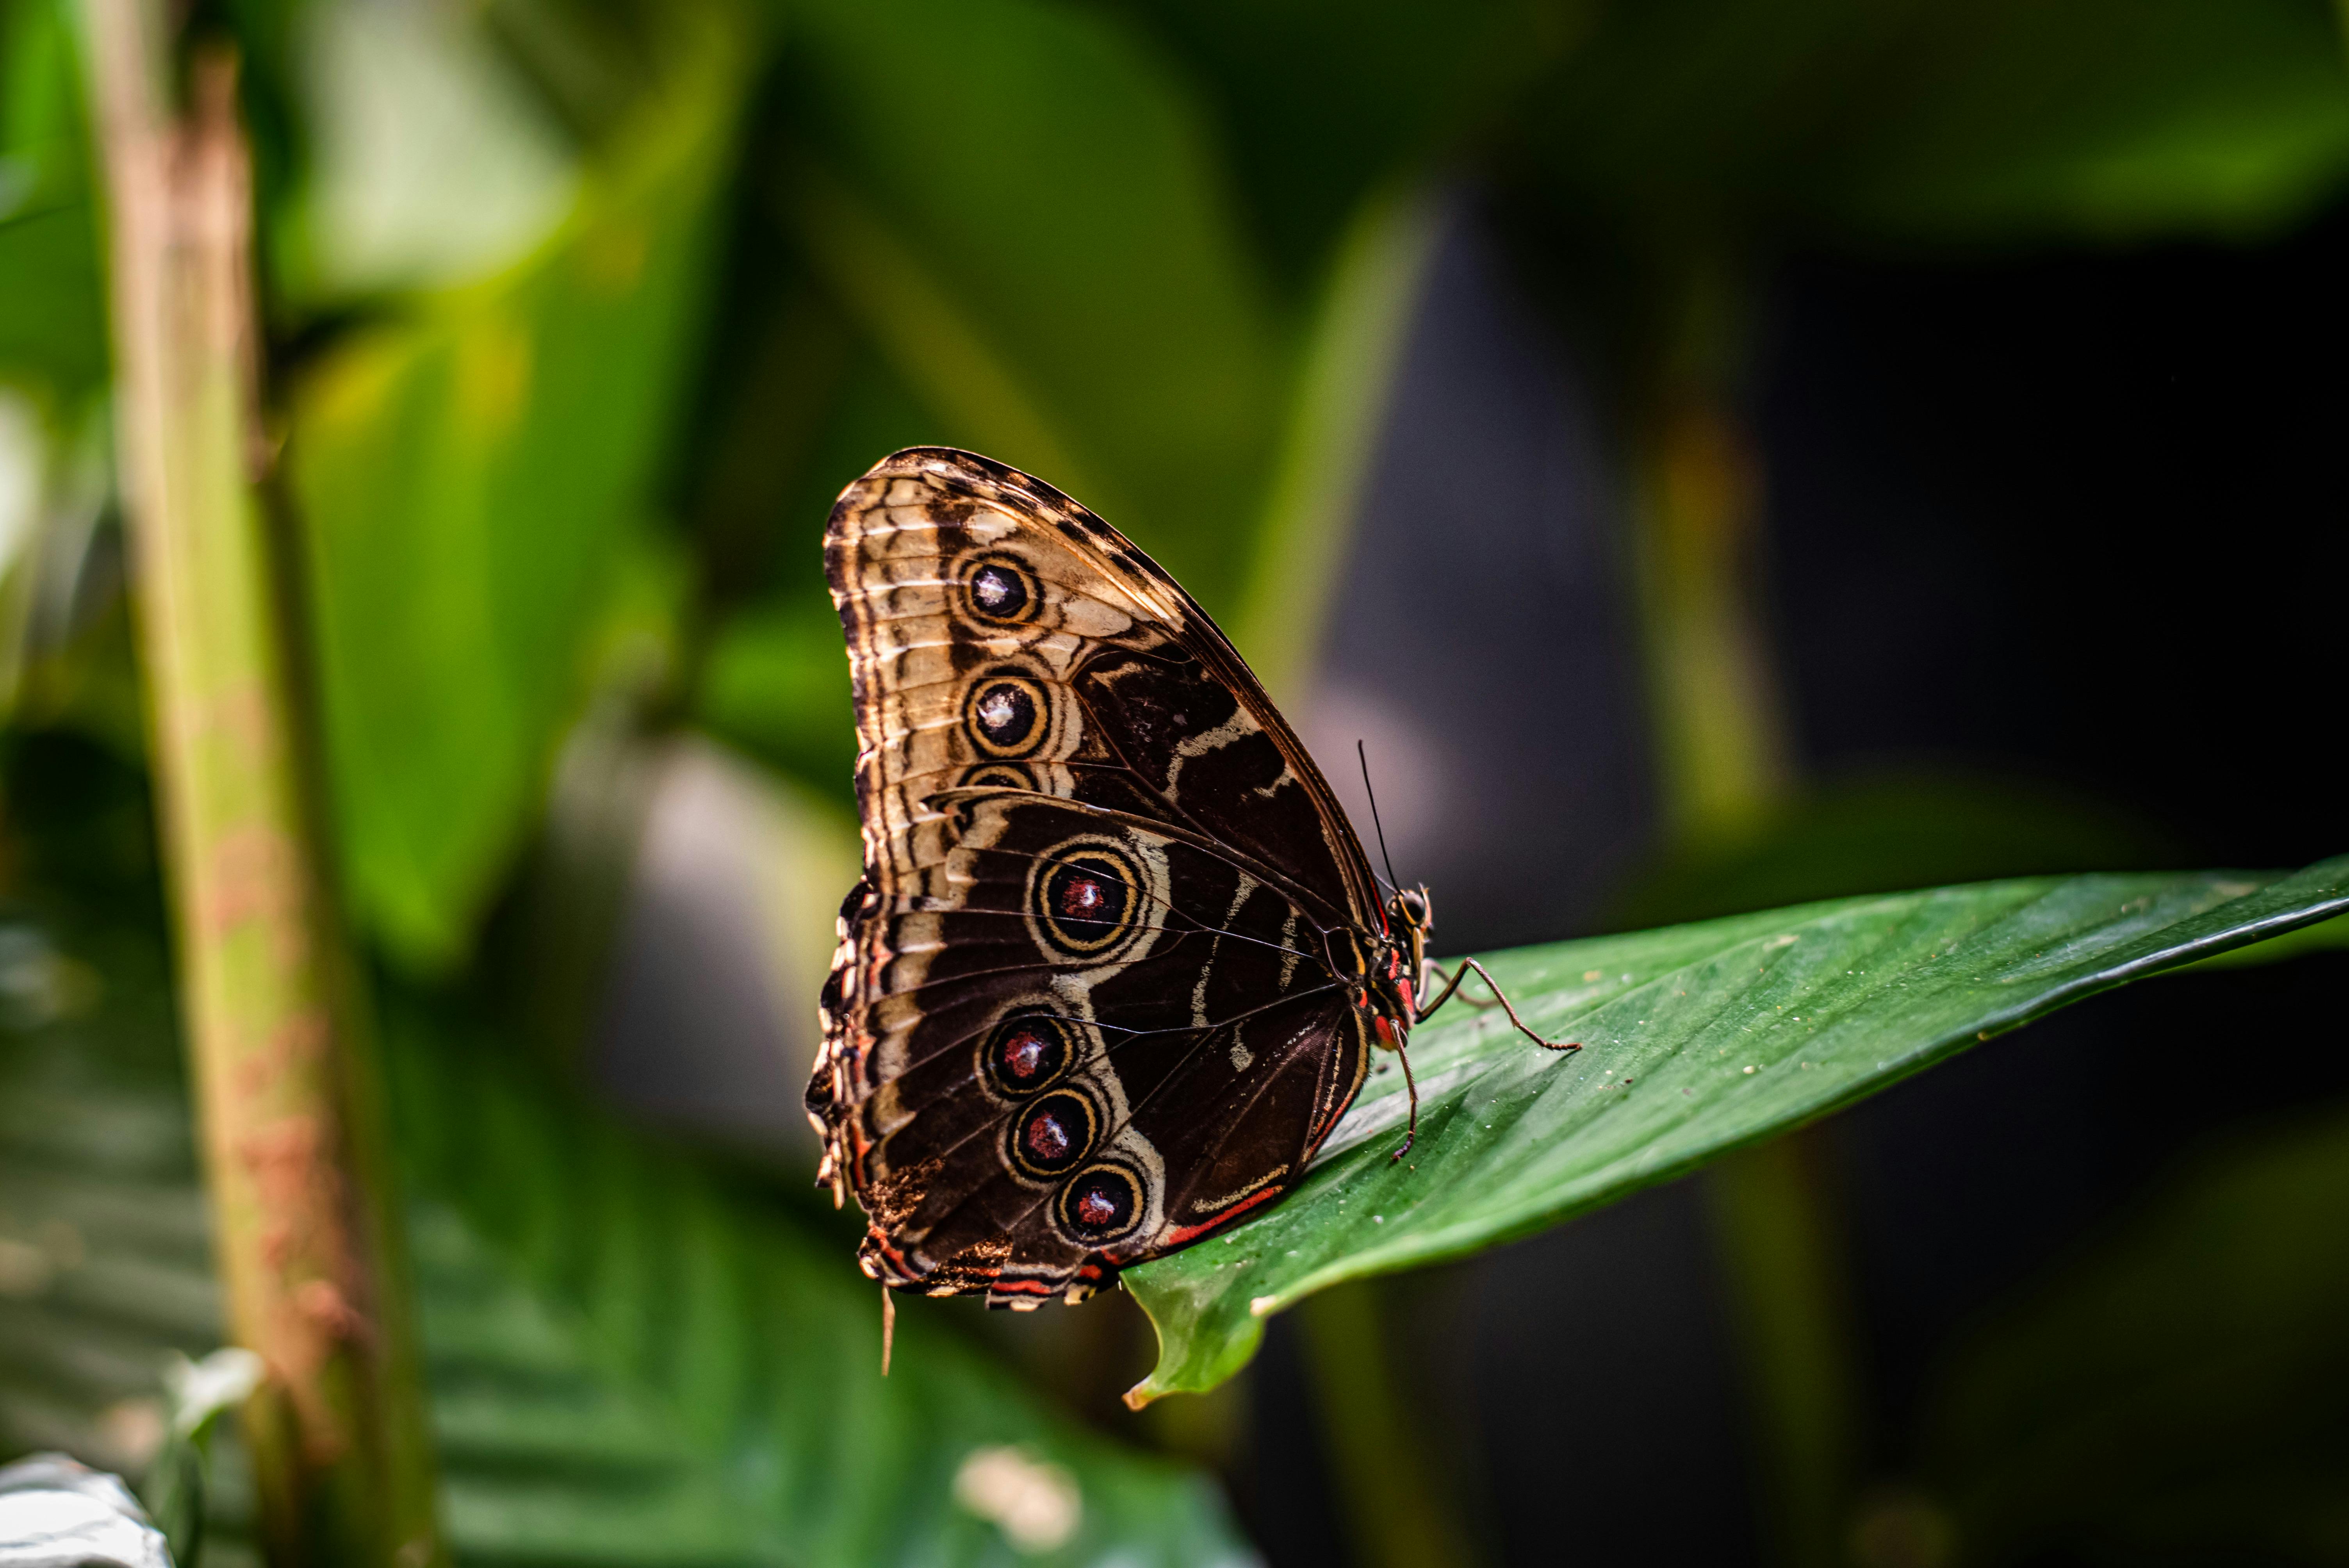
<point>1080,1014</point>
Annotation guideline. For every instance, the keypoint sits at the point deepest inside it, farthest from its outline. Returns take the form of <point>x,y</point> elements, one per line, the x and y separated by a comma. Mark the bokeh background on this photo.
<point>1715,453</point>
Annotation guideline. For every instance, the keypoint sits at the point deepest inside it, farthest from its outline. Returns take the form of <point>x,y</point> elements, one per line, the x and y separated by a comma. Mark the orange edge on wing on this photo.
<point>1185,1236</point>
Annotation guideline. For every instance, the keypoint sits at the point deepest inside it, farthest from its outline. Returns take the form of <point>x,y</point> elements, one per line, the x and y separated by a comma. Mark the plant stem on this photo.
<point>1397,1508</point>
<point>1779,1245</point>
<point>297,1171</point>
<point>1725,761</point>
<point>1721,723</point>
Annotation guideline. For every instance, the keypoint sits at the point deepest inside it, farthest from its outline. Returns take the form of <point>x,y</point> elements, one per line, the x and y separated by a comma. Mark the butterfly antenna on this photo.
<point>1377,826</point>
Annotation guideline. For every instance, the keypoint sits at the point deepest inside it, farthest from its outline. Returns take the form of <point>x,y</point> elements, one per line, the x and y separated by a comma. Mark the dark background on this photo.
<point>2125,468</point>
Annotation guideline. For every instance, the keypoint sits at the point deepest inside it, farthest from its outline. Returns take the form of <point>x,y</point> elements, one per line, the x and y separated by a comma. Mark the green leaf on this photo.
<point>432,160</point>
<point>52,310</point>
<point>472,479</point>
<point>635,1359</point>
<point>2322,937</point>
<point>2008,120</point>
<point>776,681</point>
<point>105,1253</point>
<point>1697,1039</point>
<point>2176,1395</point>
<point>1323,103</point>
<point>52,326</point>
<point>2103,122</point>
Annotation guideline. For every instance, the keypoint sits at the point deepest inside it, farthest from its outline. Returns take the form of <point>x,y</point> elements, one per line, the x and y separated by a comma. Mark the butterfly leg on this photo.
<point>1411,1086</point>
<point>1498,995</point>
<point>1430,973</point>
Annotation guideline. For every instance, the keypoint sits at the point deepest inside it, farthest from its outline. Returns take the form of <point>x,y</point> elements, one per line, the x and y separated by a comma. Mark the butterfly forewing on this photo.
<point>1080,1013</point>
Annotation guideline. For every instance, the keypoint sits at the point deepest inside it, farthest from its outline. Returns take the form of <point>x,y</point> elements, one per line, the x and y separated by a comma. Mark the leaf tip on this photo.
<point>1262,1306</point>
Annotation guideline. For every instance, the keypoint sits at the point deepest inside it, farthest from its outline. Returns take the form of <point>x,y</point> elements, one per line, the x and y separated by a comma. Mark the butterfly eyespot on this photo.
<point>1053,1136</point>
<point>1007,716</point>
<point>1024,1054</point>
<point>1100,1206</point>
<point>1000,590</point>
<point>1086,899</point>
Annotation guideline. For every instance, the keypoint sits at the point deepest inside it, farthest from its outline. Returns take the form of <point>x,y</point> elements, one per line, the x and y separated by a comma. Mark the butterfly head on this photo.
<point>1409,910</point>
<point>1410,919</point>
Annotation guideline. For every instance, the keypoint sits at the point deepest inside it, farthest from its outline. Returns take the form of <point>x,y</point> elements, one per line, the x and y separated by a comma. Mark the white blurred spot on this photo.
<point>1036,1504</point>
<point>202,1390</point>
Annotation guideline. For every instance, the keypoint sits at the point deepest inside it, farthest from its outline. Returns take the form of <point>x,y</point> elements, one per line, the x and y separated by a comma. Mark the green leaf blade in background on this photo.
<point>52,288</point>
<point>1697,1039</point>
<point>2002,123</point>
<point>474,482</point>
<point>2020,122</point>
<point>1025,209</point>
<point>636,1357</point>
<point>635,1360</point>
<point>1391,91</point>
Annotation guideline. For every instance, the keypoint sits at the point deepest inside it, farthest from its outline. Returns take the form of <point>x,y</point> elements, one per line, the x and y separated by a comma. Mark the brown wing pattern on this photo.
<point>1080,1013</point>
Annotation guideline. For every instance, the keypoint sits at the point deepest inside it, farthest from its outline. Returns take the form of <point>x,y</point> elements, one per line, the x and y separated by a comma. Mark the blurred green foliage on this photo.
<point>636,1357</point>
<point>52,332</point>
<point>1978,124</point>
<point>2174,1394</point>
<point>579,313</point>
<point>474,475</point>
<point>569,292</point>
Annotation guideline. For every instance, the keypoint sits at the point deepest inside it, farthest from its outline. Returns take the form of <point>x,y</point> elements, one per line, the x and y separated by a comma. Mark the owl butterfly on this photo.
<point>1117,961</point>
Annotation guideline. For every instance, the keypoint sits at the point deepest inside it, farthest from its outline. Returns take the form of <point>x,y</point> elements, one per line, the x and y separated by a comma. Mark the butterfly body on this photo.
<point>1117,960</point>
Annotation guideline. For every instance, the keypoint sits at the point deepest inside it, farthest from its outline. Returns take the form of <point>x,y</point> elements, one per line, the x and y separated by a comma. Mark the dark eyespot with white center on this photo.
<point>1002,711</point>
<point>1000,590</point>
<point>997,590</point>
<point>1007,716</point>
